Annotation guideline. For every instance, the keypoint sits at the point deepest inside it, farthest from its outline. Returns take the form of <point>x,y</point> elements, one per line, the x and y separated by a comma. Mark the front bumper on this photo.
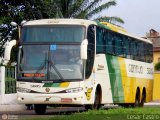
<point>60,98</point>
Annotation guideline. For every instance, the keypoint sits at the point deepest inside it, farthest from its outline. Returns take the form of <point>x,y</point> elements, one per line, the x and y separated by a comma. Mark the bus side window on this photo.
<point>118,45</point>
<point>132,46</point>
<point>149,53</point>
<point>141,51</point>
<point>126,47</point>
<point>113,43</point>
<point>90,50</point>
<point>135,51</point>
<point>109,42</point>
<point>100,40</point>
<point>145,53</point>
<point>129,48</point>
<point>123,46</point>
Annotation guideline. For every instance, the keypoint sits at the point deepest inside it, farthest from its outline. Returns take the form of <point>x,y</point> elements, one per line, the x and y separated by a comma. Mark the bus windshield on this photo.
<point>50,62</point>
<point>54,33</point>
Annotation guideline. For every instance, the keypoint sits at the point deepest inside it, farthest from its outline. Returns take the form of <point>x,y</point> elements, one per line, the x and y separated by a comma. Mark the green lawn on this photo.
<point>146,113</point>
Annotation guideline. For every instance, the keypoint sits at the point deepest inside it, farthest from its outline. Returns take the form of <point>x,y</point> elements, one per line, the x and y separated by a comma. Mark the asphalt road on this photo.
<point>27,114</point>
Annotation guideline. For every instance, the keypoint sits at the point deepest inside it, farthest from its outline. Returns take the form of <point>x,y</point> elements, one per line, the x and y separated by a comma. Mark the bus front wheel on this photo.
<point>40,109</point>
<point>97,102</point>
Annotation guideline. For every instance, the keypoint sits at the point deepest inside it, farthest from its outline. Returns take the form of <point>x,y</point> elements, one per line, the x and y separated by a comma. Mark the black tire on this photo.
<point>97,102</point>
<point>125,105</point>
<point>87,107</point>
<point>143,99</point>
<point>40,109</point>
<point>137,99</point>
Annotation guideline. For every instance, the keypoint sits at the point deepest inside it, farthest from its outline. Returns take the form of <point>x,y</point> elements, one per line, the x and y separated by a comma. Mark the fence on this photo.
<point>7,86</point>
<point>8,95</point>
<point>10,81</point>
<point>7,80</point>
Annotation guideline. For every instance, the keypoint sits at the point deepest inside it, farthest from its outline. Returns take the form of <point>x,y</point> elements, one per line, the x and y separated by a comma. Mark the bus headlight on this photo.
<point>23,90</point>
<point>74,90</point>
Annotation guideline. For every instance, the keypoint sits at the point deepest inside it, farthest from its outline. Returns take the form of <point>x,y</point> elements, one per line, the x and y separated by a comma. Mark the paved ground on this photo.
<point>27,114</point>
<point>19,111</point>
<point>21,108</point>
<point>153,103</point>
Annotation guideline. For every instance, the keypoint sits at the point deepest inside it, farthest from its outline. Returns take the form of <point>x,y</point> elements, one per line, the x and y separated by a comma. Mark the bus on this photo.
<point>76,62</point>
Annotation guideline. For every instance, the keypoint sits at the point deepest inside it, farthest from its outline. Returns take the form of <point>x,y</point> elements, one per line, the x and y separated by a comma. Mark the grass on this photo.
<point>146,113</point>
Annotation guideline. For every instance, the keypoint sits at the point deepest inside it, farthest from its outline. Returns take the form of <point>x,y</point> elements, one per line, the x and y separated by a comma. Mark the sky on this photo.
<point>139,15</point>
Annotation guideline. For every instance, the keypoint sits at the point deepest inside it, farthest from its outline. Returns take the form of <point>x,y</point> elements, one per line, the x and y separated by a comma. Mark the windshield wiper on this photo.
<point>41,67</point>
<point>48,71</point>
<point>59,74</point>
<point>54,67</point>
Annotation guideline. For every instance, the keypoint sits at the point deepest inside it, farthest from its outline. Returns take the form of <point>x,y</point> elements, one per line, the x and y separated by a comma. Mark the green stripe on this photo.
<point>51,85</point>
<point>115,79</point>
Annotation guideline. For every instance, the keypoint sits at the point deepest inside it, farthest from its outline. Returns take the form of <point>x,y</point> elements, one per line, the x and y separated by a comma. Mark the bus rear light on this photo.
<point>66,100</point>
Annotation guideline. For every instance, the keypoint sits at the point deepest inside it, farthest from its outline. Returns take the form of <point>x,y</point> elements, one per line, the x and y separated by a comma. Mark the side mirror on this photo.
<point>14,24</point>
<point>84,45</point>
<point>24,21</point>
<point>7,52</point>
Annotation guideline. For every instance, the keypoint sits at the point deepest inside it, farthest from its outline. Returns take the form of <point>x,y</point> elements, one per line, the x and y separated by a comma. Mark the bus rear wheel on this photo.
<point>40,109</point>
<point>143,98</point>
<point>137,99</point>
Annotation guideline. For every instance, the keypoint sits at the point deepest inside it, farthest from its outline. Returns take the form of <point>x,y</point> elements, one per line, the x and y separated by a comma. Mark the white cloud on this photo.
<point>139,15</point>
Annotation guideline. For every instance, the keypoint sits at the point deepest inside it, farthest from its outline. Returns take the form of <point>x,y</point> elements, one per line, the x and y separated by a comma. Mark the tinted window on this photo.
<point>100,40</point>
<point>91,50</point>
<point>53,33</point>
<point>113,43</point>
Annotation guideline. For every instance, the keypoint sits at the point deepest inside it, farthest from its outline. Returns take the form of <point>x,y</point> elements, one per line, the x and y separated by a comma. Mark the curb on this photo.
<point>12,107</point>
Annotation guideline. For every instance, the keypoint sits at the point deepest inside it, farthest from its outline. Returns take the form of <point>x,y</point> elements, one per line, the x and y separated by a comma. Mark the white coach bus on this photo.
<point>81,62</point>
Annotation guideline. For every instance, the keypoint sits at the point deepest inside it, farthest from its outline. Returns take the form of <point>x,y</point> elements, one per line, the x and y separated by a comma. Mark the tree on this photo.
<point>18,10</point>
<point>85,9</point>
<point>157,66</point>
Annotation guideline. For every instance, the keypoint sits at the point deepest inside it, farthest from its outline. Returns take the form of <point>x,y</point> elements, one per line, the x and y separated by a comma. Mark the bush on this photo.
<point>157,66</point>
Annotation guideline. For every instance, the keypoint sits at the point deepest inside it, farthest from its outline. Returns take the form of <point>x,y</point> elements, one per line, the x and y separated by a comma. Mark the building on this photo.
<point>154,36</point>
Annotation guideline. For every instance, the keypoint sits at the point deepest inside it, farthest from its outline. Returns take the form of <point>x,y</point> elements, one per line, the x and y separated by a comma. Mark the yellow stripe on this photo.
<point>124,80</point>
<point>156,88</point>
<point>64,84</point>
<point>130,84</point>
<point>114,27</point>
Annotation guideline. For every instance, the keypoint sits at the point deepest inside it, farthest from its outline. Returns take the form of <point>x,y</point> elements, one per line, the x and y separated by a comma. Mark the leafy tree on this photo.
<point>157,66</point>
<point>85,9</point>
<point>18,10</point>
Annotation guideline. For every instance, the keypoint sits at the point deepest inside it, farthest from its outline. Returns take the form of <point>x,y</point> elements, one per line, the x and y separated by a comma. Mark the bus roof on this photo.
<point>138,38</point>
<point>85,23</point>
<point>121,31</point>
<point>60,21</point>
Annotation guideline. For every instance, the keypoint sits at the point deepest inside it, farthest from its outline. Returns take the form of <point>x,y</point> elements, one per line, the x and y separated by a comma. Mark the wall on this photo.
<point>5,98</point>
<point>156,86</point>
<point>2,80</point>
<point>8,96</point>
<point>156,55</point>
